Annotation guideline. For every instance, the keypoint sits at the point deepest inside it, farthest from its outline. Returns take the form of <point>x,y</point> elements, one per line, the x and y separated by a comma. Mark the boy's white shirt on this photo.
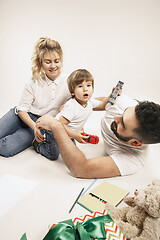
<point>76,113</point>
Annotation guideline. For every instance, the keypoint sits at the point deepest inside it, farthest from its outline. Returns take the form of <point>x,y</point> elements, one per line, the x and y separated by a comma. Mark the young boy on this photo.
<point>74,113</point>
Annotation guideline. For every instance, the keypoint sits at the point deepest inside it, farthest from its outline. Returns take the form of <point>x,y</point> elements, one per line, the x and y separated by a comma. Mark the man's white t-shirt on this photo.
<point>76,113</point>
<point>129,159</point>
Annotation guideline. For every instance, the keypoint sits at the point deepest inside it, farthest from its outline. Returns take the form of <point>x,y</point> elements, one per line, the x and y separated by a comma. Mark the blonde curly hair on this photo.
<point>42,46</point>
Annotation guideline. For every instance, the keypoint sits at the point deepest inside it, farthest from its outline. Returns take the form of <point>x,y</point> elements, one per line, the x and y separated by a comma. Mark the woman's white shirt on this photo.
<point>44,97</point>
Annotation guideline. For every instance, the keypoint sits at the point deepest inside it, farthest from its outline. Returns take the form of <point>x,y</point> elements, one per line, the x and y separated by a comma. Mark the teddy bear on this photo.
<point>139,219</point>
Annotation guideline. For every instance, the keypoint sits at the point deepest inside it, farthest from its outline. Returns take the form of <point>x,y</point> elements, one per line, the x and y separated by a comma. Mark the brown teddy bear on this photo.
<point>139,220</point>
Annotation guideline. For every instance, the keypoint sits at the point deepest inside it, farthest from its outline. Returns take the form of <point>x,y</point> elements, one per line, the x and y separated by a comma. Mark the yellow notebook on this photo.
<point>96,198</point>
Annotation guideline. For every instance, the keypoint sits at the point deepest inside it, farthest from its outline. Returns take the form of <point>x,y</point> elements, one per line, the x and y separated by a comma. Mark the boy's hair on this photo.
<point>43,45</point>
<point>77,77</point>
<point>148,116</point>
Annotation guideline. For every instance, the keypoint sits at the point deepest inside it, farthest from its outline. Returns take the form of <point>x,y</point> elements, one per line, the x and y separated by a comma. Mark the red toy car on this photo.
<point>91,139</point>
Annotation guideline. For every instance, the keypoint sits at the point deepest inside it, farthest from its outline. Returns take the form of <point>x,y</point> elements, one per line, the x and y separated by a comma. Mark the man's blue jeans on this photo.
<point>15,135</point>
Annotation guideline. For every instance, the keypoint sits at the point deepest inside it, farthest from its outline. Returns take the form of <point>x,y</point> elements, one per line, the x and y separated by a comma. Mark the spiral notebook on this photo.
<point>96,198</point>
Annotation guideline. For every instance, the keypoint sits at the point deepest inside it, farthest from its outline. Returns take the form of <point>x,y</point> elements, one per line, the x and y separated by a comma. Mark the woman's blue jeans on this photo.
<point>15,135</point>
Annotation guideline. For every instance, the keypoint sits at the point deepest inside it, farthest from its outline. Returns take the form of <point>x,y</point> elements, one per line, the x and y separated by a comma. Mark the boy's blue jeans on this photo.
<point>49,148</point>
<point>15,135</point>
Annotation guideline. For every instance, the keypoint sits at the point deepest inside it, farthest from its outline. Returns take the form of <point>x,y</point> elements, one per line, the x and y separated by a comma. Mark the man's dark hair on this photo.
<point>148,116</point>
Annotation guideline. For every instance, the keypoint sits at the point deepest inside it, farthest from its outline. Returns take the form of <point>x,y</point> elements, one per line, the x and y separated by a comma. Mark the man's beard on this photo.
<point>114,129</point>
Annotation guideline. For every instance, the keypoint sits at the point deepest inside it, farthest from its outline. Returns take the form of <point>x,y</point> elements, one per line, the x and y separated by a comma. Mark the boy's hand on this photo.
<point>80,138</point>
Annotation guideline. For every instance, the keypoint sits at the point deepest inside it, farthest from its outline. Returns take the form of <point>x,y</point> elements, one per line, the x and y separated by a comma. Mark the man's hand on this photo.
<point>47,122</point>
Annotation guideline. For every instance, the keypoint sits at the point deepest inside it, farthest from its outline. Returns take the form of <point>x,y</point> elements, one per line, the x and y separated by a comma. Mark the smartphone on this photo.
<point>115,93</point>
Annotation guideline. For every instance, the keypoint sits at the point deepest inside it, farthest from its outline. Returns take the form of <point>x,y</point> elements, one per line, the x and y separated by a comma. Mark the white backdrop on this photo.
<point>113,39</point>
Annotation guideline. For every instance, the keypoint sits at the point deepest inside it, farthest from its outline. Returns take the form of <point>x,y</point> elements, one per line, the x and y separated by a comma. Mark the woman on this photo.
<point>45,93</point>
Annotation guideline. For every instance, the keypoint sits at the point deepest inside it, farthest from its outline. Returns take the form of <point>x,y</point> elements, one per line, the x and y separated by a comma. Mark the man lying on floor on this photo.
<point>127,128</point>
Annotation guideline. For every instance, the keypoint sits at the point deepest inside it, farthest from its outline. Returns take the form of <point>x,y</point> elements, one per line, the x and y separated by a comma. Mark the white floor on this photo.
<point>51,199</point>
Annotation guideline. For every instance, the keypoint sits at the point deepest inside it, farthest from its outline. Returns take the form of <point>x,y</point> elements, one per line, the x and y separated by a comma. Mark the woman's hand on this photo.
<point>38,135</point>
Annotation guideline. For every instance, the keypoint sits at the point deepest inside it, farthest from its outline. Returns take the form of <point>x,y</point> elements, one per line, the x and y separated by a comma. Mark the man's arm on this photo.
<point>103,102</point>
<point>98,167</point>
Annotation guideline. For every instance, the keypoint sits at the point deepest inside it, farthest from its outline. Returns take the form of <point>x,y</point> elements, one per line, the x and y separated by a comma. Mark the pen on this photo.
<point>76,200</point>
<point>89,186</point>
<point>100,199</point>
